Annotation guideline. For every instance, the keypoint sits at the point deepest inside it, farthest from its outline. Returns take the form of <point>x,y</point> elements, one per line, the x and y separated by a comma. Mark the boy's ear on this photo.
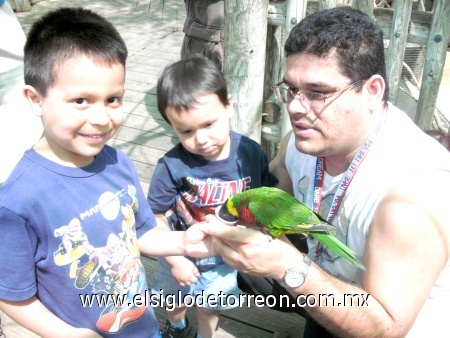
<point>230,99</point>
<point>34,99</point>
<point>229,107</point>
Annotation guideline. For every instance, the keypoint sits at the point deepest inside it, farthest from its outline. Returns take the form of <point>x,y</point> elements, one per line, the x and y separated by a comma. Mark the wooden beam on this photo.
<point>20,5</point>
<point>298,10</point>
<point>397,45</point>
<point>326,4</point>
<point>245,32</point>
<point>365,6</point>
<point>434,64</point>
<point>418,30</point>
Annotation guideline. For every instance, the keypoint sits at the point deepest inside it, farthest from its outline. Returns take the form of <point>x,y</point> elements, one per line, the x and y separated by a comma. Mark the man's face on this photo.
<point>81,111</point>
<point>336,126</point>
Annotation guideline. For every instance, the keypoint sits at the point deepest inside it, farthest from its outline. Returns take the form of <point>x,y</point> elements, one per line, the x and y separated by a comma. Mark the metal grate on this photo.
<point>411,78</point>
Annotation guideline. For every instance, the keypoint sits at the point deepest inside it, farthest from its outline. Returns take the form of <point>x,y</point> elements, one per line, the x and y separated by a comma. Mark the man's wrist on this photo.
<point>296,276</point>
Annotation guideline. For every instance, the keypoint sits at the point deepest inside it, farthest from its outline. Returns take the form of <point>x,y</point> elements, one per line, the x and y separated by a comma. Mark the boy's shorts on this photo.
<point>216,287</point>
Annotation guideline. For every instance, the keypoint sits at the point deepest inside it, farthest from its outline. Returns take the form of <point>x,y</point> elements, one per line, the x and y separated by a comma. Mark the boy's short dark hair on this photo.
<point>183,82</point>
<point>68,33</point>
<point>355,38</point>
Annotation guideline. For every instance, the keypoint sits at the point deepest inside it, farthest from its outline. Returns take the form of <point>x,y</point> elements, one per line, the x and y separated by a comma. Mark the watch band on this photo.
<point>295,277</point>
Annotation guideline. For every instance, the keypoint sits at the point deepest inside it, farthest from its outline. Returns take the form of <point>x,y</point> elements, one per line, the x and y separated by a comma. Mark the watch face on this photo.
<point>294,278</point>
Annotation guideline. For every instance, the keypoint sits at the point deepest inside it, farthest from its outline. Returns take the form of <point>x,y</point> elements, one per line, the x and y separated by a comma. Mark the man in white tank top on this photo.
<point>365,167</point>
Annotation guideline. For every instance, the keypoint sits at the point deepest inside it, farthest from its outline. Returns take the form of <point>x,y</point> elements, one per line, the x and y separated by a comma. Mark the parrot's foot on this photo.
<point>264,230</point>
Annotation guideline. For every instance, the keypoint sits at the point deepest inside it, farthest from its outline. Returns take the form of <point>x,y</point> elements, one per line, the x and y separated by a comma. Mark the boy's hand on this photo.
<point>183,270</point>
<point>197,243</point>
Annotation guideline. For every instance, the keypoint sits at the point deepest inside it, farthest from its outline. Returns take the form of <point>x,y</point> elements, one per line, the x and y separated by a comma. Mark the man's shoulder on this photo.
<point>421,199</point>
<point>427,186</point>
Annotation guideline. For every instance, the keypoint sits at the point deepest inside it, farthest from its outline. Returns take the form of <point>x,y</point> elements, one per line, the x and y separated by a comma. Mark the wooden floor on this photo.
<point>152,31</point>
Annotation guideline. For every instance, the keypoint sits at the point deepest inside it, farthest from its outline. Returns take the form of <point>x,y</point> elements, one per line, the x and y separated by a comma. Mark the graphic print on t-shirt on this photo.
<point>113,268</point>
<point>204,195</point>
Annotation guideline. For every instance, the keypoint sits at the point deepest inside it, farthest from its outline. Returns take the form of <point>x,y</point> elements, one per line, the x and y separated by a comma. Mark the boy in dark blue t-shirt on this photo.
<point>209,164</point>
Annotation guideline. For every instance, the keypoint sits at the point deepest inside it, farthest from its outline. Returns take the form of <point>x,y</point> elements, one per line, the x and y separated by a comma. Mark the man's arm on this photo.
<point>407,248</point>
<point>33,315</point>
<point>278,166</point>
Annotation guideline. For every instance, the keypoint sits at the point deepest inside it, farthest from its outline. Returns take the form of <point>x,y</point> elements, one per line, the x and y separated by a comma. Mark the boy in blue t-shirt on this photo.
<point>73,216</point>
<point>209,164</point>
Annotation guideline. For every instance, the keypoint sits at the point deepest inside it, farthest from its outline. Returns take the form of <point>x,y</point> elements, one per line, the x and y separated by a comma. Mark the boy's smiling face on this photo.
<point>81,111</point>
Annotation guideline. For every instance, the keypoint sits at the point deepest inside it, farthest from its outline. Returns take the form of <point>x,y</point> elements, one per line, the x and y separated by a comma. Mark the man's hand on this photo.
<point>251,251</point>
<point>197,243</point>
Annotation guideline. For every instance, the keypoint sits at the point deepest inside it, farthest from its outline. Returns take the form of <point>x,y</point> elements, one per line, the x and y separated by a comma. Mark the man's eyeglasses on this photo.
<point>310,100</point>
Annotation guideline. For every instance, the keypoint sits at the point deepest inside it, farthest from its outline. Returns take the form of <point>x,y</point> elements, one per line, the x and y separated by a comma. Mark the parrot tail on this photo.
<point>320,227</point>
<point>338,247</point>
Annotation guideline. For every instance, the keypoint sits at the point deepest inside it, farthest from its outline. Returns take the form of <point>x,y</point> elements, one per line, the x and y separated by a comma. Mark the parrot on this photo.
<point>278,213</point>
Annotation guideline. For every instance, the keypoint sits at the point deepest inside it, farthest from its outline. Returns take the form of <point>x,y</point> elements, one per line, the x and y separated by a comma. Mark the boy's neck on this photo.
<point>76,161</point>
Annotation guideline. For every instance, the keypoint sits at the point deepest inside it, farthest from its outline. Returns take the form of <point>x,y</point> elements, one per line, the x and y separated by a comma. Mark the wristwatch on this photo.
<point>295,277</point>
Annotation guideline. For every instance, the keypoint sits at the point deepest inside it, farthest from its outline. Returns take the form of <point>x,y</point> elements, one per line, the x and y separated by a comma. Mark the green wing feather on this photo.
<point>275,207</point>
<point>279,213</point>
<point>339,248</point>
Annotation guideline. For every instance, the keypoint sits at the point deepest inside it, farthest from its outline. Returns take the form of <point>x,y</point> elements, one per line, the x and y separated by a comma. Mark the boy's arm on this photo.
<point>183,270</point>
<point>161,241</point>
<point>161,219</point>
<point>34,316</point>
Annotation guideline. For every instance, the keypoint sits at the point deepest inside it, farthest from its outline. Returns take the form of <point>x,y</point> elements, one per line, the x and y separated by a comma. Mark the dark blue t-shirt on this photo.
<point>193,186</point>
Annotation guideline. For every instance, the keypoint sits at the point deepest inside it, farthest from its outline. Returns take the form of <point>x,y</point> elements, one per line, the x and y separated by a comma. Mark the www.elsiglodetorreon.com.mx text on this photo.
<point>171,301</point>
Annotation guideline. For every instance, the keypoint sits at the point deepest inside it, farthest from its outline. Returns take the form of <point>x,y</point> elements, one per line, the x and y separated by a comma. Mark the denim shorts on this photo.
<point>217,281</point>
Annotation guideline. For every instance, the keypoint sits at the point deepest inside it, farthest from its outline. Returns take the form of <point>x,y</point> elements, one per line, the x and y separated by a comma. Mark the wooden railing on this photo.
<point>255,32</point>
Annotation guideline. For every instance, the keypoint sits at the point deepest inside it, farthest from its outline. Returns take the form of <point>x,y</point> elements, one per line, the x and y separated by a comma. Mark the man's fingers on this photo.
<point>228,233</point>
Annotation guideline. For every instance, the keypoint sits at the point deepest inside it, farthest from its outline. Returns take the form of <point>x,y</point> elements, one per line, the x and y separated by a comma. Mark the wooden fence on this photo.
<point>255,32</point>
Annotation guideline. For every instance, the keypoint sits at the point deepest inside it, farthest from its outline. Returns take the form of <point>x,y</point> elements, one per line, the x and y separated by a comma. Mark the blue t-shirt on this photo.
<point>194,187</point>
<point>72,232</point>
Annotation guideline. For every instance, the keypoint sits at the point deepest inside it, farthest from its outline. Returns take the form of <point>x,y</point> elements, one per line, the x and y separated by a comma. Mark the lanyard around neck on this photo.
<point>346,179</point>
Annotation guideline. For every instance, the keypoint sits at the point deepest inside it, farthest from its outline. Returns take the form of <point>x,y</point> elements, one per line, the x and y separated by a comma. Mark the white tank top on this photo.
<point>401,149</point>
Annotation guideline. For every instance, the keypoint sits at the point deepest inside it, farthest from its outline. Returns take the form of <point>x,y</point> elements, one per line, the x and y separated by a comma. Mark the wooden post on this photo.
<point>274,57</point>
<point>20,5</point>
<point>245,32</point>
<point>418,32</point>
<point>434,64</point>
<point>365,6</point>
<point>326,4</point>
<point>397,45</point>
<point>295,12</point>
